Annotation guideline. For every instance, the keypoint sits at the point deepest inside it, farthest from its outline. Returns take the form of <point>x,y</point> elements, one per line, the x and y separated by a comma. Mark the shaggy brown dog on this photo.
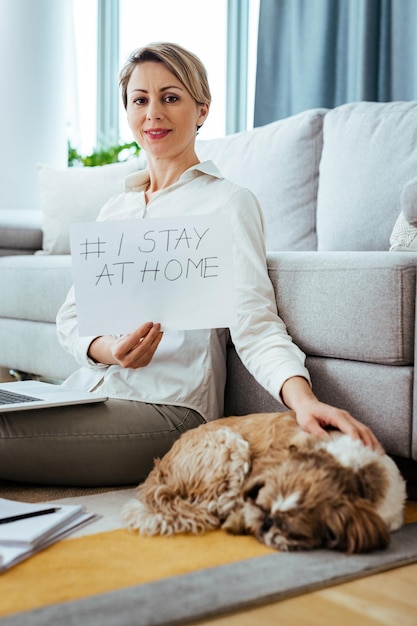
<point>262,475</point>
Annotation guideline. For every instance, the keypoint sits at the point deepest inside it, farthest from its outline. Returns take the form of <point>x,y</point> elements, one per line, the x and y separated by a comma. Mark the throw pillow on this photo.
<point>404,235</point>
<point>76,194</point>
<point>279,163</point>
<point>409,201</point>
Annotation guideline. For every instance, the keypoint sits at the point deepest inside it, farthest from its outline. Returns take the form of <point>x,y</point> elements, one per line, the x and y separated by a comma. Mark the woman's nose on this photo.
<point>153,112</point>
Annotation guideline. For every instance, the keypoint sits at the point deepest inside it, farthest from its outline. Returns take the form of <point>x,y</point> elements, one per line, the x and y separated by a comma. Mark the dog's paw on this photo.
<point>235,523</point>
<point>136,516</point>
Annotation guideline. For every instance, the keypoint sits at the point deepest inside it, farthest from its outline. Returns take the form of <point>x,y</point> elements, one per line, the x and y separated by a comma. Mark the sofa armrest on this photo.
<point>357,306</point>
<point>20,231</point>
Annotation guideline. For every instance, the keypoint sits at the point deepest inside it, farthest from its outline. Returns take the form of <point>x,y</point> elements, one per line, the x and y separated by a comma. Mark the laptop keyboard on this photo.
<point>10,397</point>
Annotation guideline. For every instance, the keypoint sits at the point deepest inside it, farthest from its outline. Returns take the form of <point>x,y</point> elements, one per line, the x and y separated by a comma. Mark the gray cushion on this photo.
<point>357,306</point>
<point>380,396</point>
<point>33,347</point>
<point>34,287</point>
<point>20,230</point>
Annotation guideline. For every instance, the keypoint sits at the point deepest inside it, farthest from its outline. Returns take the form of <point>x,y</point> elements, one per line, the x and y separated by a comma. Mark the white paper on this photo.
<point>12,555</point>
<point>175,271</point>
<point>33,530</point>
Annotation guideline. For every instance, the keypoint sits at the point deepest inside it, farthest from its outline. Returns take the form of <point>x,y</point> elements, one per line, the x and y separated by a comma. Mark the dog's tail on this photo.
<point>172,514</point>
<point>191,493</point>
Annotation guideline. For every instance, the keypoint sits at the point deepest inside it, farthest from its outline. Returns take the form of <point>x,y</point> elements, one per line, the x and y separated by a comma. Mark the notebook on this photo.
<point>33,394</point>
<point>27,528</point>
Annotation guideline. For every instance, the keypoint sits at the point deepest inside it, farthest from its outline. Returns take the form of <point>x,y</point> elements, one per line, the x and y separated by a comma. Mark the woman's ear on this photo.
<point>203,112</point>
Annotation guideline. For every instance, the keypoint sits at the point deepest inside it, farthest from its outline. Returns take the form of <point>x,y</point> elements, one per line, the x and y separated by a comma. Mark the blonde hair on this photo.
<point>185,66</point>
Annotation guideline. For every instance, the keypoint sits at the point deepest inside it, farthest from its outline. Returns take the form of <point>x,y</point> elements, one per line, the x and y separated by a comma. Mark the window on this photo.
<point>82,128</point>
<point>199,26</point>
<point>215,31</point>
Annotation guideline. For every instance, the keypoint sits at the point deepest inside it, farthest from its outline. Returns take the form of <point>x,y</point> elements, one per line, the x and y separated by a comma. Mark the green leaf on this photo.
<point>113,154</point>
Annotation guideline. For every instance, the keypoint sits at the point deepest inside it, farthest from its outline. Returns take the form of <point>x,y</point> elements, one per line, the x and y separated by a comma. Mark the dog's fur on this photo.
<point>261,474</point>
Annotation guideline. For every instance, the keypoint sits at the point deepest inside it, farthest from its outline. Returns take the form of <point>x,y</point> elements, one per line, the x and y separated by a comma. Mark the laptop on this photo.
<point>33,394</point>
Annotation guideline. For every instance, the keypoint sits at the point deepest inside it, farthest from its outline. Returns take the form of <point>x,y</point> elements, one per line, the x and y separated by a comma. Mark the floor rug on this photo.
<point>108,576</point>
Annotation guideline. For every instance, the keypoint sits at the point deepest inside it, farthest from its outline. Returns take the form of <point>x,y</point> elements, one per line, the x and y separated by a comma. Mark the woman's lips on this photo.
<point>157,133</point>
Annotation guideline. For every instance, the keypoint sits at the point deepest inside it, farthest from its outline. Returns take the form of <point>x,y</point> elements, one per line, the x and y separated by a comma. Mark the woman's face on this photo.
<point>162,114</point>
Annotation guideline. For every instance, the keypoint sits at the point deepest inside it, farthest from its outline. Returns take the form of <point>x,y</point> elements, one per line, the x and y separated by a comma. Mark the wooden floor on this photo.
<point>389,599</point>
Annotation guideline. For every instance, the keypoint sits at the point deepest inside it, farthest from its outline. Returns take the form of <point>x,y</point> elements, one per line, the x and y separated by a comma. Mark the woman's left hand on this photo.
<point>313,416</point>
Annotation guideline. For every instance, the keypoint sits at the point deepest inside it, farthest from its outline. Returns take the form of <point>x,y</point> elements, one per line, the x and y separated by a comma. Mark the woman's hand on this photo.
<point>313,416</point>
<point>133,350</point>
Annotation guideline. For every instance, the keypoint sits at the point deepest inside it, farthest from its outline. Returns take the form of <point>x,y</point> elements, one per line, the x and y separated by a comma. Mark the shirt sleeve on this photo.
<point>259,334</point>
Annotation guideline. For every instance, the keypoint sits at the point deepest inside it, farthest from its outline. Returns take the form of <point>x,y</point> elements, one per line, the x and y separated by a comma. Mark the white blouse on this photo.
<point>189,367</point>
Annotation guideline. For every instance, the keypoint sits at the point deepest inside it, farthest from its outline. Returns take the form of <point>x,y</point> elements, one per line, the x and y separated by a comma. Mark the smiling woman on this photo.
<point>227,44</point>
<point>166,105</point>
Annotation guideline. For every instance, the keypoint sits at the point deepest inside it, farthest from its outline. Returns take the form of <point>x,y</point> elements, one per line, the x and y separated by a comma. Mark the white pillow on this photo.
<point>76,194</point>
<point>409,201</point>
<point>369,153</point>
<point>404,235</point>
<point>279,163</point>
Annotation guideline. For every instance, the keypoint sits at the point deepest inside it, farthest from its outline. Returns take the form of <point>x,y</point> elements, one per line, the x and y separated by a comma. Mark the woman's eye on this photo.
<point>171,99</point>
<point>139,101</point>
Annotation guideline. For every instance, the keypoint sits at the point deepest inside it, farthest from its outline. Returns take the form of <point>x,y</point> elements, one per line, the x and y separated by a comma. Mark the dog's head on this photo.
<point>311,501</point>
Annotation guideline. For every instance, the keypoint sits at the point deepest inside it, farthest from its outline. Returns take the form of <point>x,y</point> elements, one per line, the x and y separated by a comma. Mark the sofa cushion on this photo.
<point>380,396</point>
<point>279,164</point>
<point>355,306</point>
<point>33,347</point>
<point>76,194</point>
<point>20,231</point>
<point>33,287</point>
<point>369,153</point>
<point>360,388</point>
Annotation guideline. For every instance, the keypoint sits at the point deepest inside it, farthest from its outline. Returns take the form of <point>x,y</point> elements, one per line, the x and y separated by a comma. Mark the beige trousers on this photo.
<point>111,443</point>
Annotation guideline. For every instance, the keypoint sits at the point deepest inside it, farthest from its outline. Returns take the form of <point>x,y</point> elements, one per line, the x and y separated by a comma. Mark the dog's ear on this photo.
<point>252,489</point>
<point>354,527</point>
<point>371,482</point>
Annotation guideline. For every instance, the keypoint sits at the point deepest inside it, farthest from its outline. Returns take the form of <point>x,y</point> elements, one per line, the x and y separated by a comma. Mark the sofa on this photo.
<point>331,184</point>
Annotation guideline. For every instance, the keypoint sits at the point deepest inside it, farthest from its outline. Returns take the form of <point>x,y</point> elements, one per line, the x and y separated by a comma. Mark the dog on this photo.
<point>262,475</point>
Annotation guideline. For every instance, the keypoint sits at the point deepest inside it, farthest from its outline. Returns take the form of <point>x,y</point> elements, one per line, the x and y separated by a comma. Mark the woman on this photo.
<point>161,384</point>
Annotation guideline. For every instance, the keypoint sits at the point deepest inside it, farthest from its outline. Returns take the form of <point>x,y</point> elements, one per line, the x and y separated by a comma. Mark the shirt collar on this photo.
<point>139,181</point>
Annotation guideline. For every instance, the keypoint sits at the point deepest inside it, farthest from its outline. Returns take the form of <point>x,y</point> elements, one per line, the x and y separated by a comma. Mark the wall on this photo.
<point>33,86</point>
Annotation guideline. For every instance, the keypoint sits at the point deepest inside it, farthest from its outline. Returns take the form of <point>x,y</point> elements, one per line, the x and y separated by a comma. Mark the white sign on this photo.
<point>176,271</point>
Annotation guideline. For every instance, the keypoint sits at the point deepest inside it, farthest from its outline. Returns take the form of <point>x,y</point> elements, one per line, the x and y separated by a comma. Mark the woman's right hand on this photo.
<point>133,350</point>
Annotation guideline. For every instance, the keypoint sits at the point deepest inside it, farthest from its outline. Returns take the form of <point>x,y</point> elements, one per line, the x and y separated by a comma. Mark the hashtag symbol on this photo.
<point>92,247</point>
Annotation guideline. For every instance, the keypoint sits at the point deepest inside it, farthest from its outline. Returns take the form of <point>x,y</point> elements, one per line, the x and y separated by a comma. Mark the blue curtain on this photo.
<point>323,53</point>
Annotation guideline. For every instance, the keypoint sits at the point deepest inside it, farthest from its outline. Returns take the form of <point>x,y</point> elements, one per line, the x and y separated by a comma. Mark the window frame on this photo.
<point>108,11</point>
